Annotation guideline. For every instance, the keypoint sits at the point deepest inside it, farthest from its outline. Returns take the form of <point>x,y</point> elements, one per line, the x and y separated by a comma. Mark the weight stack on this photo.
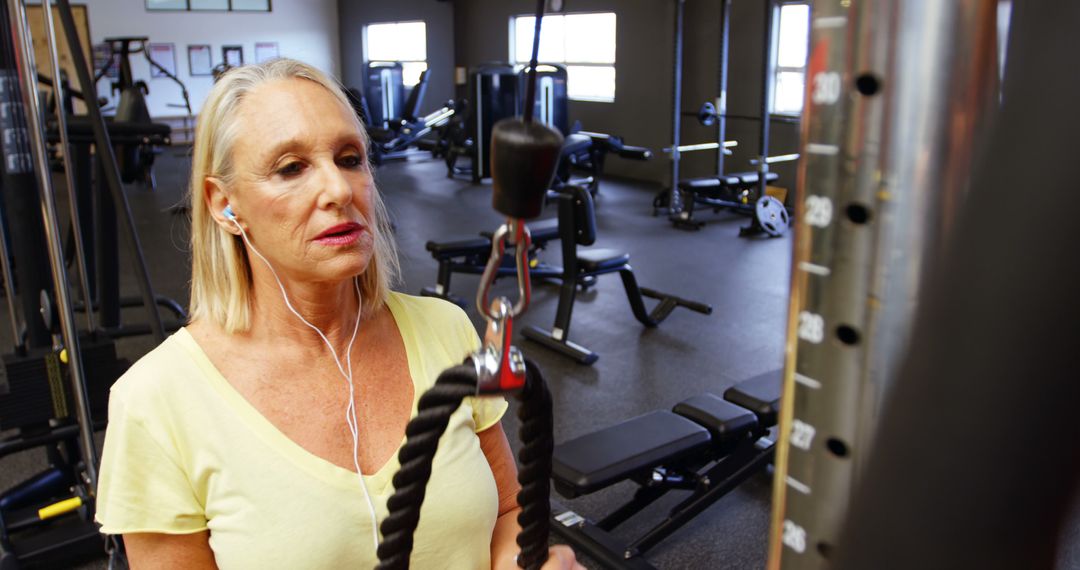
<point>34,388</point>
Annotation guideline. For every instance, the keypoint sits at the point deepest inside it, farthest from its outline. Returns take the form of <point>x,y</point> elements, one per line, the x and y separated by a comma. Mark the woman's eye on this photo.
<point>290,169</point>
<point>352,161</point>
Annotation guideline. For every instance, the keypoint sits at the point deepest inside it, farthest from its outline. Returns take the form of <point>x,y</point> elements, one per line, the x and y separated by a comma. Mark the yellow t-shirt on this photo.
<point>185,452</point>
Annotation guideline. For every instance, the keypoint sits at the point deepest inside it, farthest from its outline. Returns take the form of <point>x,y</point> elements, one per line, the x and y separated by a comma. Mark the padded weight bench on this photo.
<point>575,226</point>
<point>735,191</point>
<point>706,445</point>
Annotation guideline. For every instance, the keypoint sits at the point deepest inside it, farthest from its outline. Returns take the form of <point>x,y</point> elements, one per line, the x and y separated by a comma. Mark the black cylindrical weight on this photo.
<point>523,160</point>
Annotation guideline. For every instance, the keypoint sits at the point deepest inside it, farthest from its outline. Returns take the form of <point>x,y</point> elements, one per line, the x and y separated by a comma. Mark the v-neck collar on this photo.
<point>378,482</point>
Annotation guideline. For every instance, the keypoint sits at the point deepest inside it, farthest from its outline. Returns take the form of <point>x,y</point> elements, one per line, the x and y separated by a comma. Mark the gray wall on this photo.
<point>353,15</point>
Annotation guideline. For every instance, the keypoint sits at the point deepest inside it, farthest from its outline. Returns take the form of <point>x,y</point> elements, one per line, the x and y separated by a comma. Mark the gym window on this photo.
<point>585,43</point>
<point>792,41</point>
<point>403,42</point>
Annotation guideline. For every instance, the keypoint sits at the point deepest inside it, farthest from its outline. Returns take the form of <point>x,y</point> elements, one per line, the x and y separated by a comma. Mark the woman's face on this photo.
<point>303,188</point>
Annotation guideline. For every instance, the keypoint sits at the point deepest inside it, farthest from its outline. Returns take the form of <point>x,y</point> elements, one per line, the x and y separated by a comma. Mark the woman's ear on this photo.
<point>217,200</point>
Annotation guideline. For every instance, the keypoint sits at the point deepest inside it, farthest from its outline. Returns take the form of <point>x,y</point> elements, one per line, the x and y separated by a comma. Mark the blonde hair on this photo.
<point>220,269</point>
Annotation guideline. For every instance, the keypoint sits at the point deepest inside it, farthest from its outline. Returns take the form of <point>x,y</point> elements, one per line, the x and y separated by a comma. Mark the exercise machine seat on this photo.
<point>714,183</point>
<point>760,394</point>
<point>600,259</point>
<point>727,423</point>
<point>575,143</point>
<point>81,130</point>
<point>455,248</point>
<point>602,458</point>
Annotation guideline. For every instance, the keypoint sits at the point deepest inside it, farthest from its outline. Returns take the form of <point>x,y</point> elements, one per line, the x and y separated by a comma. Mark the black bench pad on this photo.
<point>598,259</point>
<point>714,183</point>
<point>727,423</point>
<point>760,394</point>
<point>443,249</point>
<point>599,459</point>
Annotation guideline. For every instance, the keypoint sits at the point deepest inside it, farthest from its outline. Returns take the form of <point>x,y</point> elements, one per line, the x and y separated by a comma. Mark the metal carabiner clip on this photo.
<point>500,366</point>
<point>517,234</point>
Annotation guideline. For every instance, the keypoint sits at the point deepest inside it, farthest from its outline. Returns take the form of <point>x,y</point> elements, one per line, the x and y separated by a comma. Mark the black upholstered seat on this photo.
<point>459,247</point>
<point>575,143</point>
<point>711,183</point>
<point>599,259</point>
<point>760,394</point>
<point>727,423</point>
<point>604,457</point>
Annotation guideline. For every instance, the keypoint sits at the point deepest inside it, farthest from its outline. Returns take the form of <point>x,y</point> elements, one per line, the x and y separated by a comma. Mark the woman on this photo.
<point>264,434</point>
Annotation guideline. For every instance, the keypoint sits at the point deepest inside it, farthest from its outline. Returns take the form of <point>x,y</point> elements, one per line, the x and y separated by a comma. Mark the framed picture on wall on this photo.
<point>199,60</point>
<point>233,55</point>
<point>265,51</point>
<point>165,56</point>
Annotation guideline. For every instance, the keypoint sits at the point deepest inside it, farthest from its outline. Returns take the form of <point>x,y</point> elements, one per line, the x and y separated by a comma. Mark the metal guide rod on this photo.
<point>721,78</point>
<point>9,284</point>
<point>107,162</point>
<point>65,153</point>
<point>28,76</point>
<point>675,198</point>
<point>896,92</point>
<point>771,35</point>
<point>700,146</point>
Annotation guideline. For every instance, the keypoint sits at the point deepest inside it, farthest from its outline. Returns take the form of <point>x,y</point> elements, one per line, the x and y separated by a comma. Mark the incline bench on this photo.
<point>707,445</point>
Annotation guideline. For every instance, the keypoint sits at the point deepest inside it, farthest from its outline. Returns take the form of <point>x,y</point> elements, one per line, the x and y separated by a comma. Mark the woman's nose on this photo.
<point>336,189</point>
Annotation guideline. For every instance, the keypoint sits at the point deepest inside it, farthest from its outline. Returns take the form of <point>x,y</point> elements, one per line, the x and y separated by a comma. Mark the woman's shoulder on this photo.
<point>431,322</point>
<point>161,375</point>
<point>431,310</point>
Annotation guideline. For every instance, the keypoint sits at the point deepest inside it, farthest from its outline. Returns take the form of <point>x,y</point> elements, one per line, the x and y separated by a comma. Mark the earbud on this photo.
<point>228,213</point>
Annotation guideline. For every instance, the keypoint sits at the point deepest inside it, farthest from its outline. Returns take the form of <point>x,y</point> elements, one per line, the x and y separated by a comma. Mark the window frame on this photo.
<point>521,64</point>
<point>776,69</point>
<point>367,51</point>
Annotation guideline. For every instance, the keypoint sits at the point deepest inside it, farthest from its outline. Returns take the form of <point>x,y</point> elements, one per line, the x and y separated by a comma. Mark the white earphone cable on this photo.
<point>346,372</point>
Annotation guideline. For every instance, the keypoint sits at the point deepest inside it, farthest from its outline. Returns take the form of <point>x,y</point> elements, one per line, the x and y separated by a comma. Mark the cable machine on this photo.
<point>897,95</point>
<point>57,377</point>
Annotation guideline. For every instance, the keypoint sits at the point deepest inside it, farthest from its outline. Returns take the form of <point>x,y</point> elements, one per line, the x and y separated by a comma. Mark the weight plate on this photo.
<point>772,216</point>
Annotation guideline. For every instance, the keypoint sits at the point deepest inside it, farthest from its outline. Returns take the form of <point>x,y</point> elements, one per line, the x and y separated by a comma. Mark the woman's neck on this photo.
<point>329,306</point>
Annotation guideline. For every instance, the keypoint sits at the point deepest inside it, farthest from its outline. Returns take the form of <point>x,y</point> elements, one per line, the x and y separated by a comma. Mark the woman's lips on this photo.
<point>341,234</point>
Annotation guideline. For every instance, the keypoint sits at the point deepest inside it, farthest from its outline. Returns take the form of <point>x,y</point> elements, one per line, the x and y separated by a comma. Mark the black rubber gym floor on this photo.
<point>639,370</point>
